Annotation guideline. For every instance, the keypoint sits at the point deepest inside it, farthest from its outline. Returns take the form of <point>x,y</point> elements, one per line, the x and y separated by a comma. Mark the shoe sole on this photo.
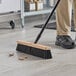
<point>66,47</point>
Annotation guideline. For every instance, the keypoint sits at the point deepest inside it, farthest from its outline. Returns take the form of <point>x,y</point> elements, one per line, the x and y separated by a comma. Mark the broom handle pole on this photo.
<point>42,30</point>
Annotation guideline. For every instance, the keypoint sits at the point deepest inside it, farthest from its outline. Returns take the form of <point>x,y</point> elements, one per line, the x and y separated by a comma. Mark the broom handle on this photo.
<point>42,30</point>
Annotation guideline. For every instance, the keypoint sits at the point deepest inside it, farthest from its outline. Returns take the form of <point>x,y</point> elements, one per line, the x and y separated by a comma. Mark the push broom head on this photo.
<point>34,49</point>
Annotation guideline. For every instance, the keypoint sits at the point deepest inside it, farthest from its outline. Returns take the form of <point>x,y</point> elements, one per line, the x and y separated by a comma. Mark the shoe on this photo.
<point>65,41</point>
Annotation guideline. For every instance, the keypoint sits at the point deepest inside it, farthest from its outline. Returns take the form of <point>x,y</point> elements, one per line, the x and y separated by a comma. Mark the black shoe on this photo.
<point>65,41</point>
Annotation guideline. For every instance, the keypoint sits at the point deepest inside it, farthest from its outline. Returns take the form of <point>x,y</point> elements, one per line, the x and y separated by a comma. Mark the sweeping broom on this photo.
<point>34,48</point>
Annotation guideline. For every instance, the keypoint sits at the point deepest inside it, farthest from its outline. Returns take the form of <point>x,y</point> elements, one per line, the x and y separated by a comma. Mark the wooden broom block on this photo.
<point>33,45</point>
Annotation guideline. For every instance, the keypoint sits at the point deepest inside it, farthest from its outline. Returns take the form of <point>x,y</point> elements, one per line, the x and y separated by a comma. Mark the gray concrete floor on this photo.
<point>62,64</point>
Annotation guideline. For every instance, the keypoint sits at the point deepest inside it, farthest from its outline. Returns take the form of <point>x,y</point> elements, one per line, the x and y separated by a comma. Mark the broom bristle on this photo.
<point>34,49</point>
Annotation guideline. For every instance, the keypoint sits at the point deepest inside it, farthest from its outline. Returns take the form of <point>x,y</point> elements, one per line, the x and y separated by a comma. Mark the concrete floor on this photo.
<point>62,64</point>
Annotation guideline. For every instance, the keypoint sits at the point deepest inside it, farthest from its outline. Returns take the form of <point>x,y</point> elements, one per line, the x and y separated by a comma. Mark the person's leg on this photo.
<point>63,18</point>
<point>74,5</point>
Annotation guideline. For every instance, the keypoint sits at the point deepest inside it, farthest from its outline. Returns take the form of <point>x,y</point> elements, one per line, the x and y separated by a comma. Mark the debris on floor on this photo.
<point>21,58</point>
<point>11,54</point>
<point>25,57</point>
